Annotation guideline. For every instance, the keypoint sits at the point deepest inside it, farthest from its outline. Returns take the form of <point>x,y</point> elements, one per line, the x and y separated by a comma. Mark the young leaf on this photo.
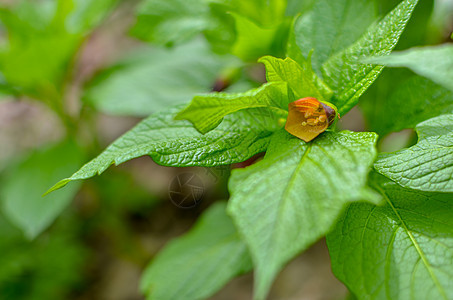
<point>344,72</point>
<point>199,263</point>
<point>331,26</point>
<point>22,190</point>
<point>206,112</point>
<point>435,63</point>
<point>300,78</point>
<point>415,100</point>
<point>402,250</point>
<point>428,165</point>
<point>177,143</point>
<point>149,80</point>
<point>291,198</point>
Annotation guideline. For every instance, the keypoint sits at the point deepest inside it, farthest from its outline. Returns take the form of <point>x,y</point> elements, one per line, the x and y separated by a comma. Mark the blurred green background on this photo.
<point>76,74</point>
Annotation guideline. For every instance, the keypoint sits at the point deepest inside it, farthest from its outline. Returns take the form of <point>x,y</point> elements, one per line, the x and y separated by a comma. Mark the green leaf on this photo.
<point>285,202</point>
<point>152,79</point>
<point>415,100</point>
<point>171,22</point>
<point>344,72</point>
<point>434,63</point>
<point>428,165</point>
<point>42,42</point>
<point>254,40</point>
<point>331,26</point>
<point>22,189</point>
<point>402,250</point>
<point>177,143</point>
<point>199,263</point>
<point>300,78</point>
<point>206,112</point>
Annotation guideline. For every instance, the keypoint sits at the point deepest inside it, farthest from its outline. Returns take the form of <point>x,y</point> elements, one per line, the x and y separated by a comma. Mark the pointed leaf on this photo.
<point>199,263</point>
<point>22,190</point>
<point>300,78</point>
<point>331,26</point>
<point>435,63</point>
<point>428,165</point>
<point>346,75</point>
<point>291,198</point>
<point>402,250</point>
<point>177,143</point>
<point>206,112</point>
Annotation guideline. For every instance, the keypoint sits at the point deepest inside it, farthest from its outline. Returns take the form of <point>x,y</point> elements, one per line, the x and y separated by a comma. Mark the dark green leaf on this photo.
<point>152,79</point>
<point>177,143</point>
<point>415,100</point>
<point>344,72</point>
<point>207,112</point>
<point>331,26</point>
<point>402,250</point>
<point>199,263</point>
<point>291,198</point>
<point>24,186</point>
<point>428,165</point>
<point>435,63</point>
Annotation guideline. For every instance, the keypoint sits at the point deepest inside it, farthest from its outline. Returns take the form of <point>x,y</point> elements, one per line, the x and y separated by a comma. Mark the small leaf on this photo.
<point>435,63</point>
<point>428,165</point>
<point>199,263</point>
<point>177,143</point>
<point>285,202</point>
<point>301,79</point>
<point>206,112</point>
<point>344,72</point>
<point>22,190</point>
<point>402,250</point>
<point>331,26</point>
<point>152,79</point>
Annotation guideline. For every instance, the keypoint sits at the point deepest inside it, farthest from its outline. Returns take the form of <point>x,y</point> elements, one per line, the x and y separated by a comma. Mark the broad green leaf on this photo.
<point>265,13</point>
<point>285,202</point>
<point>331,26</point>
<point>344,72</point>
<point>206,112</point>
<point>415,100</point>
<point>435,63</point>
<point>152,79</point>
<point>172,22</point>
<point>24,186</point>
<point>428,165</point>
<point>177,143</point>
<point>199,263</point>
<point>301,79</point>
<point>402,250</point>
<point>254,41</point>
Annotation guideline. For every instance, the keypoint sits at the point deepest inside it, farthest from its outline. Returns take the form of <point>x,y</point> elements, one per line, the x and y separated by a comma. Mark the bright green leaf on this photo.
<point>177,143</point>
<point>435,63</point>
<point>291,198</point>
<point>149,80</point>
<point>301,79</point>
<point>428,165</point>
<point>415,100</point>
<point>344,72</point>
<point>24,186</point>
<point>331,26</point>
<point>402,250</point>
<point>199,263</point>
<point>206,112</point>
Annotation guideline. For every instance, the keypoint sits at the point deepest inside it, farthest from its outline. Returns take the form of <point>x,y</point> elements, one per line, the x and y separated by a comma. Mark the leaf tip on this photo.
<point>57,186</point>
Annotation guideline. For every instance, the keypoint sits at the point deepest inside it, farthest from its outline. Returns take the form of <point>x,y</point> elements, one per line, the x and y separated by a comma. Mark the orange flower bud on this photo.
<point>308,117</point>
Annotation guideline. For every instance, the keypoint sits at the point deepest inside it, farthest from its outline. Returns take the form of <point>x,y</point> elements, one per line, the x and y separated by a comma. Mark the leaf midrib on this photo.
<point>415,243</point>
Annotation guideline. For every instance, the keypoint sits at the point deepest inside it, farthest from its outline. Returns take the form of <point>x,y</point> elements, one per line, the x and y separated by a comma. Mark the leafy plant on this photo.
<point>389,234</point>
